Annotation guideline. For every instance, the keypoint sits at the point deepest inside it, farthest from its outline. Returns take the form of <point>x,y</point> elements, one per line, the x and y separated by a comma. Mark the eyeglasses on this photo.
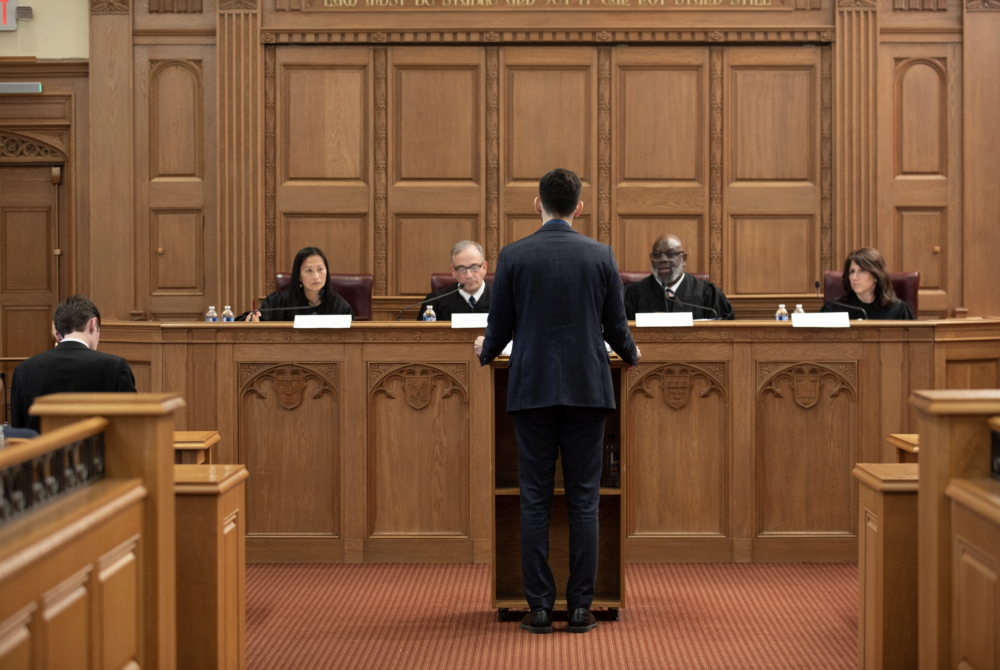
<point>462,269</point>
<point>668,256</point>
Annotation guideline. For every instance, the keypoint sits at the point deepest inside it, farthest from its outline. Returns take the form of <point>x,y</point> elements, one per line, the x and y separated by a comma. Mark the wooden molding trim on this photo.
<point>109,6</point>
<point>826,163</point>
<point>492,155</point>
<point>814,34</point>
<point>715,167</point>
<point>604,145</point>
<point>381,173</point>
<point>175,6</point>
<point>72,67</point>
<point>270,166</point>
<point>982,5</point>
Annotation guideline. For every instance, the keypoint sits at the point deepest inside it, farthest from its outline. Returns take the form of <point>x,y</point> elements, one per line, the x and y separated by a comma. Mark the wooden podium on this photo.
<point>506,586</point>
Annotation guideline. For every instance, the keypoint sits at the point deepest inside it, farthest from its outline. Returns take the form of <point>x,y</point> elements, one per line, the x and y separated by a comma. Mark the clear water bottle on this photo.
<point>799,310</point>
<point>227,314</point>
<point>429,314</point>
<point>781,314</point>
<point>210,315</point>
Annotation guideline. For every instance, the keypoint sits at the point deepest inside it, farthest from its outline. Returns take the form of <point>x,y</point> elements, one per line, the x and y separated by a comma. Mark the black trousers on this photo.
<point>541,433</point>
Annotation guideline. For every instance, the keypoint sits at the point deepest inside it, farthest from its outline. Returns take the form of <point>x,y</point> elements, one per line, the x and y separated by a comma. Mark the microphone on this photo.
<point>289,309</point>
<point>844,304</point>
<point>671,296</point>
<point>817,289</point>
<point>445,295</point>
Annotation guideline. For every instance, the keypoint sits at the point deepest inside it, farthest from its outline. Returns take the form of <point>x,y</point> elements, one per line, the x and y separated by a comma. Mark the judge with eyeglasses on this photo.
<point>669,287</point>
<point>468,267</point>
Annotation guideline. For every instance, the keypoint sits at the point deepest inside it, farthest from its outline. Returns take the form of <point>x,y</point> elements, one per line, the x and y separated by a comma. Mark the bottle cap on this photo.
<point>227,306</point>
<point>781,307</point>
<point>797,307</point>
<point>211,306</point>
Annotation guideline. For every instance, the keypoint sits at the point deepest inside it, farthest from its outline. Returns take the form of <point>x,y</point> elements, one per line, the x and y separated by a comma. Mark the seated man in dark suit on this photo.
<point>468,267</point>
<point>74,366</point>
<point>669,286</point>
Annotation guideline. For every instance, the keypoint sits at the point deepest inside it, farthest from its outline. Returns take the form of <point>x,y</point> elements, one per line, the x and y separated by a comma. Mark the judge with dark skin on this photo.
<point>668,284</point>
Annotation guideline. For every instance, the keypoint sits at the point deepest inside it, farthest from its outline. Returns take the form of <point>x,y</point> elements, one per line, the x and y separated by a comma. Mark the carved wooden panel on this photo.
<point>549,118</point>
<point>976,603</point>
<point>66,623</point>
<point>289,438</point>
<point>423,245</point>
<point>771,254</point>
<point>920,196</point>
<point>981,374</point>
<point>324,136</point>
<point>638,233</point>
<point>26,237</point>
<point>175,6</point>
<point>177,252</point>
<point>772,200</point>
<point>16,641</point>
<point>662,152</point>
<point>344,239</point>
<point>437,159</point>
<point>678,434</point>
<point>118,590</point>
<point>143,372</point>
<point>176,119</point>
<point>807,428</point>
<point>418,450</point>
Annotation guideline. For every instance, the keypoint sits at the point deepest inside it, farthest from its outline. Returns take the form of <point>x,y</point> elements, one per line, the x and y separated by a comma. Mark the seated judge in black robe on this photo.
<point>667,262</point>
<point>867,287</point>
<point>468,267</point>
<point>308,292</point>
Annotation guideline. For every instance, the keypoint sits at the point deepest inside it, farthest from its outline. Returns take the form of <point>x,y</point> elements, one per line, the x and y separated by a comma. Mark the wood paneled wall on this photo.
<point>385,134</point>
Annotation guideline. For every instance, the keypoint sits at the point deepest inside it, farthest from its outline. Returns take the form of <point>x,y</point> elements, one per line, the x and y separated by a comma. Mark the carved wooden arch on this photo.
<point>193,68</point>
<point>899,76</point>
<point>419,381</point>
<point>676,381</point>
<point>289,381</point>
<point>16,148</point>
<point>807,381</point>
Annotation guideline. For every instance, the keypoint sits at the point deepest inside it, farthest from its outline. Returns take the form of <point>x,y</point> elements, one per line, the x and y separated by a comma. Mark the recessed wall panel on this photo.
<point>178,251</point>
<point>920,91</point>
<point>773,254</point>
<point>175,119</point>
<point>424,247</point>
<point>342,239</point>
<point>639,233</point>
<point>27,249</point>
<point>920,233</point>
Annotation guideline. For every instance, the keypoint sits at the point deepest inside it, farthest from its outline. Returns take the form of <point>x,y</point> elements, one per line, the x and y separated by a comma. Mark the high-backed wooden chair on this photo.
<point>905,284</point>
<point>355,289</point>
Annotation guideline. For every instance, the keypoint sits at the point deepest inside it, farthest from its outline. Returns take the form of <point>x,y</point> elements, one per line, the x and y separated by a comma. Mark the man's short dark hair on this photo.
<point>73,313</point>
<point>559,191</point>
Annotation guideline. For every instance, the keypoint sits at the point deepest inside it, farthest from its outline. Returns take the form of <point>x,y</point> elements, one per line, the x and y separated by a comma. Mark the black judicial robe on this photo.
<point>281,302</point>
<point>648,296</point>
<point>897,311</point>
<point>445,306</point>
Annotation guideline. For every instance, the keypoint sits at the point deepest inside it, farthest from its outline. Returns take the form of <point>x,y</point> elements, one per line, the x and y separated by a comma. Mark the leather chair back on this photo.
<point>355,289</point>
<point>441,279</point>
<point>905,284</point>
<point>630,277</point>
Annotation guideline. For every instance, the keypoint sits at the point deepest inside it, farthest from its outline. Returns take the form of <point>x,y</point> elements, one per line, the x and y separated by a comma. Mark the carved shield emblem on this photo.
<point>677,388</point>
<point>805,387</point>
<point>289,384</point>
<point>418,385</point>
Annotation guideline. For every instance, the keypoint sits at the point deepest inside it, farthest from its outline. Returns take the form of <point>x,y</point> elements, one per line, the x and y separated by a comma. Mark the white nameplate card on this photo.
<point>322,321</point>
<point>664,319</point>
<point>469,320</point>
<point>826,320</point>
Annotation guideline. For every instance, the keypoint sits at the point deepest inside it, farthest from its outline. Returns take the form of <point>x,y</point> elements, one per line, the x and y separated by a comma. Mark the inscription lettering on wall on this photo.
<point>333,5</point>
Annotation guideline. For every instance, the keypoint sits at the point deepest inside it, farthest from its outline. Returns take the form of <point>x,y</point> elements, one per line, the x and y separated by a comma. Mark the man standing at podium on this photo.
<point>558,289</point>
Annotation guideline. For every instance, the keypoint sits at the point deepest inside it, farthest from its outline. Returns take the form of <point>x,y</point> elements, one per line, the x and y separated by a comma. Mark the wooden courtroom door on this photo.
<point>29,277</point>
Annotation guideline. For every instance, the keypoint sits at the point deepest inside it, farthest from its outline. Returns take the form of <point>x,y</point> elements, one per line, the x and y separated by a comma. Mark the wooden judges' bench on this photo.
<point>374,443</point>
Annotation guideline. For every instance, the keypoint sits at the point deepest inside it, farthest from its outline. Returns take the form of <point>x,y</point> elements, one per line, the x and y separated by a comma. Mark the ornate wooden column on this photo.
<point>240,133</point>
<point>856,80</point>
<point>111,243</point>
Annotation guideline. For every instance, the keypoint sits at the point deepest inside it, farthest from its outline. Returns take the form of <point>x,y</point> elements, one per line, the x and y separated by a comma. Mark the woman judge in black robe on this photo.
<point>868,289</point>
<point>308,292</point>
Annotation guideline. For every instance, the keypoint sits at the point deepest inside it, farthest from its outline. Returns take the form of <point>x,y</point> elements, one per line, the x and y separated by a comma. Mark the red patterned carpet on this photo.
<point>688,616</point>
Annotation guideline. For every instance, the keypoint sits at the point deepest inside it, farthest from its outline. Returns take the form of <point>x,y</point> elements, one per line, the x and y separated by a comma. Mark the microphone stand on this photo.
<point>844,304</point>
<point>687,304</point>
<point>445,295</point>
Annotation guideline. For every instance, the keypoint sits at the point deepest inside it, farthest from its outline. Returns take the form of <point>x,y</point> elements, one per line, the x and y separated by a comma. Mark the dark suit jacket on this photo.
<point>446,306</point>
<point>648,296</point>
<point>553,292</point>
<point>69,368</point>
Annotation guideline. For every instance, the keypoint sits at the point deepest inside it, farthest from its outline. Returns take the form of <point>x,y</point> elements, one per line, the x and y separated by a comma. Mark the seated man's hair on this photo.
<point>559,191</point>
<point>73,313</point>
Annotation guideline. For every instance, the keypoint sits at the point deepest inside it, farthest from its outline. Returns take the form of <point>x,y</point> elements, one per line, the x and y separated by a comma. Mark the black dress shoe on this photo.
<point>537,621</point>
<point>581,621</point>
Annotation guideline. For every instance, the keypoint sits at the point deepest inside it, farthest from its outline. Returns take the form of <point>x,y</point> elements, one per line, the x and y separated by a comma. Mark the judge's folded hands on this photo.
<point>478,346</point>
